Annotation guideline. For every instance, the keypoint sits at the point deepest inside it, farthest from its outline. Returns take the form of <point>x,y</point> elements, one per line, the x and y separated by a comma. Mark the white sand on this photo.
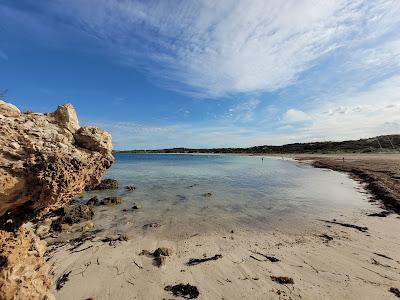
<point>339,269</point>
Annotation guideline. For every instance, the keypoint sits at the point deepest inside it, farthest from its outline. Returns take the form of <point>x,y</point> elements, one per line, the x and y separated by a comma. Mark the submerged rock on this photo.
<point>130,188</point>
<point>105,184</point>
<point>73,215</point>
<point>94,201</point>
<point>111,201</point>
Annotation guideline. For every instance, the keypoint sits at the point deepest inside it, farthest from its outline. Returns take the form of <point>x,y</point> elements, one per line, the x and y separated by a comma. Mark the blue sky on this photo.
<point>208,73</point>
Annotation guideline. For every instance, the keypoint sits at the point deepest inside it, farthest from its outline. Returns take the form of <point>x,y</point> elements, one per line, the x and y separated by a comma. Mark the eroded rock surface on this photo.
<point>45,160</point>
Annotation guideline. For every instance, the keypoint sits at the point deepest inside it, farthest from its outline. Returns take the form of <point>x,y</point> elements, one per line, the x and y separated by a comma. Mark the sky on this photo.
<point>231,73</point>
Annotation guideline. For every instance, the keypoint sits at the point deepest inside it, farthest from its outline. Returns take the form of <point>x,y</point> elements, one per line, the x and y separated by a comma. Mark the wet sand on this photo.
<point>325,260</point>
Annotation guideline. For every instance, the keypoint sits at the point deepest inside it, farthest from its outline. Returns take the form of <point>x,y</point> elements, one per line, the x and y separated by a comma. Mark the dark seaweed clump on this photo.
<point>186,291</point>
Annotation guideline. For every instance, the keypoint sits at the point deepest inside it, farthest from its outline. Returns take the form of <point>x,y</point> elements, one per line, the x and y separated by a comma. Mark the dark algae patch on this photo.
<point>62,280</point>
<point>282,279</point>
<point>395,291</point>
<point>268,257</point>
<point>186,291</point>
<point>381,214</point>
<point>360,228</point>
<point>326,237</point>
<point>196,261</point>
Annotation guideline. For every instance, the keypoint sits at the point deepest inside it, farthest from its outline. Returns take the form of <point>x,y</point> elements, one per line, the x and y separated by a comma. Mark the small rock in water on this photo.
<point>111,201</point>
<point>130,188</point>
<point>207,194</point>
<point>186,291</point>
<point>93,201</point>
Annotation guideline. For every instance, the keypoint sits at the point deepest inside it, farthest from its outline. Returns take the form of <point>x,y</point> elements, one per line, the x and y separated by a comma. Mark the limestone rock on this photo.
<point>42,166</point>
<point>43,228</point>
<point>94,139</point>
<point>65,115</point>
<point>8,109</point>
<point>45,161</point>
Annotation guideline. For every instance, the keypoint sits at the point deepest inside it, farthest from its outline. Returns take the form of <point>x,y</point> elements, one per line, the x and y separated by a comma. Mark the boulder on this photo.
<point>94,139</point>
<point>65,116</point>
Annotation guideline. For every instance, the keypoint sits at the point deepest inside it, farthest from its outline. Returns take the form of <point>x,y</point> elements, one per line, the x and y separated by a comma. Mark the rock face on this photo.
<point>45,160</point>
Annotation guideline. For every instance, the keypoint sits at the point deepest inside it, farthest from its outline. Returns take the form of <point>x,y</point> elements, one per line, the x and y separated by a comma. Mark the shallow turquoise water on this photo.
<point>246,191</point>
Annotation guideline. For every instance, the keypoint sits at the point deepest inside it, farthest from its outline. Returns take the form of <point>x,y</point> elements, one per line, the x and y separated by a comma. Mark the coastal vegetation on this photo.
<point>383,143</point>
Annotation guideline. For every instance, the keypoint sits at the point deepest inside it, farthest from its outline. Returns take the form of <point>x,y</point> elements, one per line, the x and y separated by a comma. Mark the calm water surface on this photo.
<point>246,192</point>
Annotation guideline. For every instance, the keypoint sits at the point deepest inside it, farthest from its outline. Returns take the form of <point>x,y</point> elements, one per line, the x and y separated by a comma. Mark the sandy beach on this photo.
<point>354,255</point>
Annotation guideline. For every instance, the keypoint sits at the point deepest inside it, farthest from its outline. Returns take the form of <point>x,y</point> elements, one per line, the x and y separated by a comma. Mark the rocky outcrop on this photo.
<point>45,160</point>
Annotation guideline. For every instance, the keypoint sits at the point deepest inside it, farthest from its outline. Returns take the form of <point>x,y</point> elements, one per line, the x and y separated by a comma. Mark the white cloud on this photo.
<point>293,116</point>
<point>215,48</point>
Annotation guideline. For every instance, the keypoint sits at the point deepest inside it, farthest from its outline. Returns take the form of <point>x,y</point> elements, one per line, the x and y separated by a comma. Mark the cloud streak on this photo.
<point>218,48</point>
